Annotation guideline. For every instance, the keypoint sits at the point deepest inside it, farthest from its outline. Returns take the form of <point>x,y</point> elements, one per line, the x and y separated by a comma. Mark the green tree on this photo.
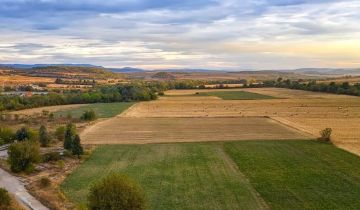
<point>22,155</point>
<point>76,147</point>
<point>115,192</point>
<point>70,133</point>
<point>44,136</point>
<point>25,133</point>
<point>60,133</point>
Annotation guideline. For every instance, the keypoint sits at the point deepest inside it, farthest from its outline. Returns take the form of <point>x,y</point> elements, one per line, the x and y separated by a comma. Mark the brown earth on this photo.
<point>10,80</point>
<point>123,130</point>
<point>303,110</point>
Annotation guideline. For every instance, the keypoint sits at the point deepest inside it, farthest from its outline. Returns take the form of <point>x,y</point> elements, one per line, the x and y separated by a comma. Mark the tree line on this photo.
<point>332,87</point>
<point>105,94</point>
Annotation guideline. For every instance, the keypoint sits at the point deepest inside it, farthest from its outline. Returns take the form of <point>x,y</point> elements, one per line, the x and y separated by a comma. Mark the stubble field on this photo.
<point>306,111</point>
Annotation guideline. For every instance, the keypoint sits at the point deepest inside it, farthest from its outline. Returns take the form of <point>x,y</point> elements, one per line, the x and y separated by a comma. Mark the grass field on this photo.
<point>286,175</point>
<point>236,95</point>
<point>173,176</point>
<point>300,174</point>
<point>103,110</point>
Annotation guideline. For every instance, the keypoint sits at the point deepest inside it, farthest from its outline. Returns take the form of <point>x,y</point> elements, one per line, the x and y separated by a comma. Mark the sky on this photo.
<point>202,34</point>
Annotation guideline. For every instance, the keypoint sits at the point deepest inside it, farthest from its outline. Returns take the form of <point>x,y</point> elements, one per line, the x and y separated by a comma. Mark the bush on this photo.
<point>51,156</point>
<point>25,133</point>
<point>325,135</point>
<point>44,136</point>
<point>70,133</point>
<point>89,115</point>
<point>115,192</point>
<point>76,147</point>
<point>6,135</point>
<point>60,133</point>
<point>22,155</point>
<point>5,199</point>
<point>44,182</point>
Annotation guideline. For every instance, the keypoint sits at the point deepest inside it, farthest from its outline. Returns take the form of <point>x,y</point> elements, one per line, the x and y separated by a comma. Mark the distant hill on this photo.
<point>328,71</point>
<point>126,70</point>
<point>163,75</point>
<point>29,66</point>
<point>70,72</point>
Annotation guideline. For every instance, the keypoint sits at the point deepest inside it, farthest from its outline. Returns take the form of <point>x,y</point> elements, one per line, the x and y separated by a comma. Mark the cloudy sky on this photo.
<point>157,34</point>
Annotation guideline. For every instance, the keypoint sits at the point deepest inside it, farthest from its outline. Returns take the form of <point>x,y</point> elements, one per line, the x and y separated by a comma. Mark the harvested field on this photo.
<point>123,130</point>
<point>303,110</point>
<point>206,107</point>
<point>11,80</point>
<point>274,92</point>
<point>48,108</point>
<point>346,133</point>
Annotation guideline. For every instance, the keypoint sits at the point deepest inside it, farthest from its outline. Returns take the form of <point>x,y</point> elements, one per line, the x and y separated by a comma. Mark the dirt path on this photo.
<point>16,188</point>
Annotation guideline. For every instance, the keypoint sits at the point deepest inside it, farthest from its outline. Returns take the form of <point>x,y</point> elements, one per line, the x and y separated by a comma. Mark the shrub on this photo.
<point>44,136</point>
<point>70,133</point>
<point>76,148</point>
<point>60,133</point>
<point>44,182</point>
<point>51,156</point>
<point>22,155</point>
<point>115,192</point>
<point>325,135</point>
<point>89,115</point>
<point>6,135</point>
<point>5,199</point>
<point>25,133</point>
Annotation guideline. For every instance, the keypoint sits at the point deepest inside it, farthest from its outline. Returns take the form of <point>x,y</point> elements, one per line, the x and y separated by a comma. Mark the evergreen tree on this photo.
<point>44,136</point>
<point>69,136</point>
<point>76,146</point>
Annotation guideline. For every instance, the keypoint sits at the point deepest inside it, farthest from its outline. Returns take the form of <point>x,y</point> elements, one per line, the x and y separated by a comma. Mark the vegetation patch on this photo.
<point>236,95</point>
<point>173,176</point>
<point>102,110</point>
<point>299,174</point>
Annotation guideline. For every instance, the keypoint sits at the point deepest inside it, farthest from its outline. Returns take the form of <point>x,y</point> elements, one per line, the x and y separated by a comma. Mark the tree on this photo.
<point>70,133</point>
<point>44,136</point>
<point>115,192</point>
<point>22,155</point>
<point>24,133</point>
<point>5,200</point>
<point>60,133</point>
<point>76,148</point>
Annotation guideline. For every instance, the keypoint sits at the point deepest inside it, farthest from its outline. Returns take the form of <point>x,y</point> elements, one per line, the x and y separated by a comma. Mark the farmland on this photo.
<point>121,130</point>
<point>307,111</point>
<point>237,95</point>
<point>230,175</point>
<point>300,174</point>
<point>103,110</point>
